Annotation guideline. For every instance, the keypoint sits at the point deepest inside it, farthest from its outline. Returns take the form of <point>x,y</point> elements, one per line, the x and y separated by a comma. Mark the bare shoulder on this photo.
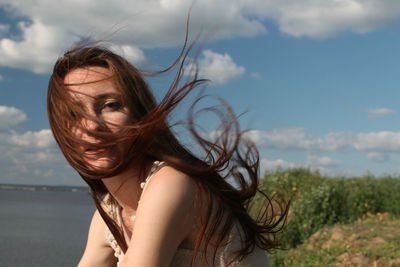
<point>173,183</point>
<point>164,218</point>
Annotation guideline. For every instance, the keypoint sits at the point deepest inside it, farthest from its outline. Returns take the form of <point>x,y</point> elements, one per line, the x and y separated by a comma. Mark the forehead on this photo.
<point>90,81</point>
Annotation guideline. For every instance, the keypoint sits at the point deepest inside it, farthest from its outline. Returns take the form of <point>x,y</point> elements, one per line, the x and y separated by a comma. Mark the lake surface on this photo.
<point>43,228</point>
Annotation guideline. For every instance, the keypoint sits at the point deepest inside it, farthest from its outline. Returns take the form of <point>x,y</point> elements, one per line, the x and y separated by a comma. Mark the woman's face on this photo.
<point>93,91</point>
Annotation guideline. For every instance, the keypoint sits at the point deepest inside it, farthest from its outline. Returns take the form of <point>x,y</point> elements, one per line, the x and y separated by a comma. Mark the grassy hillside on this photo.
<point>336,221</point>
<point>372,241</point>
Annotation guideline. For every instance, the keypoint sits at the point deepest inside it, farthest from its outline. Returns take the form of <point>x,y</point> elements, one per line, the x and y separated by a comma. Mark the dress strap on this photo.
<point>112,208</point>
<point>156,166</point>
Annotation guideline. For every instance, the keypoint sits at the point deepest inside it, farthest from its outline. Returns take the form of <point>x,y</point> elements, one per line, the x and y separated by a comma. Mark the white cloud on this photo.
<point>322,161</point>
<point>298,138</point>
<point>324,165</point>
<point>326,18</point>
<point>31,158</point>
<point>10,116</point>
<point>381,111</point>
<point>337,140</point>
<point>255,136</point>
<point>273,164</point>
<point>270,164</point>
<point>40,46</point>
<point>54,25</point>
<point>49,173</point>
<point>378,141</point>
<point>41,139</point>
<point>131,53</point>
<point>46,156</point>
<point>377,156</point>
<point>255,75</point>
<point>4,28</point>
<point>146,24</point>
<point>219,68</point>
<point>284,138</point>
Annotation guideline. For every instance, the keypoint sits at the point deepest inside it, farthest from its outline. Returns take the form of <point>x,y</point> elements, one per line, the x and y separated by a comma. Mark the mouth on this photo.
<point>95,151</point>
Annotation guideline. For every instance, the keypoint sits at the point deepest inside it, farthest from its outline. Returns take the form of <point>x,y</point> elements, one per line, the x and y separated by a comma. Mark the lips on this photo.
<point>95,151</point>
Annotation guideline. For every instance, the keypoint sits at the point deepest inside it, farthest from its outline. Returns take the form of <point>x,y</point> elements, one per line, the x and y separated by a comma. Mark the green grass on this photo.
<point>371,241</point>
<point>331,221</point>
<point>318,201</point>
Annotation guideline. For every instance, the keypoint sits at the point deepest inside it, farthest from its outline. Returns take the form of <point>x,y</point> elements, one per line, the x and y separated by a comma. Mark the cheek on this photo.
<point>76,131</point>
<point>79,134</point>
<point>115,120</point>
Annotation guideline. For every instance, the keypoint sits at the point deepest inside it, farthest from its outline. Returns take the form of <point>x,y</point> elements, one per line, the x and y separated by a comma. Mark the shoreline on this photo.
<point>44,188</point>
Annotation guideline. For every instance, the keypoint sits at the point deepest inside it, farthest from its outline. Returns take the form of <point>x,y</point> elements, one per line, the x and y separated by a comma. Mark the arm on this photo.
<point>164,218</point>
<point>97,253</point>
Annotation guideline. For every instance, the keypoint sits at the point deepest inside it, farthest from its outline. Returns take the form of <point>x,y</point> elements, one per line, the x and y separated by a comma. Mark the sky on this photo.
<point>316,81</point>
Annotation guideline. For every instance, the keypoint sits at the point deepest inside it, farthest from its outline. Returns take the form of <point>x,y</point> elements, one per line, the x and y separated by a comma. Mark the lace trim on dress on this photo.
<point>113,209</point>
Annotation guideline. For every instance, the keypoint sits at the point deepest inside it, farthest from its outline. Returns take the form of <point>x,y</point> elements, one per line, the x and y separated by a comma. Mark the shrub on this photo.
<point>318,200</point>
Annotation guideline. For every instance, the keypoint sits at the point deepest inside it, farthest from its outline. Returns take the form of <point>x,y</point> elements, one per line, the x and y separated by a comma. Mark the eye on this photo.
<point>72,114</point>
<point>112,105</point>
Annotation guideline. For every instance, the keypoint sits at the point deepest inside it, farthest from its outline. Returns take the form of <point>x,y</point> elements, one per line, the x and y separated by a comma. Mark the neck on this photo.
<point>125,187</point>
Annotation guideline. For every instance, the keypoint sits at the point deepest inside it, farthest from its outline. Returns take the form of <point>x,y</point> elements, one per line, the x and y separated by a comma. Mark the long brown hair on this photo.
<point>150,138</point>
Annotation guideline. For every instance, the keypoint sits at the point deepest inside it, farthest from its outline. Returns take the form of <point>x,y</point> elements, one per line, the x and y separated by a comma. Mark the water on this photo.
<point>43,228</point>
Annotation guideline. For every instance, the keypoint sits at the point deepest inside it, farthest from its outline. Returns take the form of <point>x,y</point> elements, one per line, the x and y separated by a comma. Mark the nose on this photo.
<point>90,124</point>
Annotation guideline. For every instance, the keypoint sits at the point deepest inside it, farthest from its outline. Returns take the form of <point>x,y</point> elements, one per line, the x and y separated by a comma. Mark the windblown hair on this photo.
<point>150,138</point>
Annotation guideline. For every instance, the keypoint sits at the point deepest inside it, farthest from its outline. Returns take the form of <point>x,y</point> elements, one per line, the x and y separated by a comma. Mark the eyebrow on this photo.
<point>100,97</point>
<point>106,95</point>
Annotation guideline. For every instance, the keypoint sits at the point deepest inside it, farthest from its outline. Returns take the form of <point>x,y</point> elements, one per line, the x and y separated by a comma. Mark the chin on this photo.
<point>100,163</point>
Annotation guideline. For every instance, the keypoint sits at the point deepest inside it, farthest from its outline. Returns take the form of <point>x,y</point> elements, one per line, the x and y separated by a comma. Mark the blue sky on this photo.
<point>318,80</point>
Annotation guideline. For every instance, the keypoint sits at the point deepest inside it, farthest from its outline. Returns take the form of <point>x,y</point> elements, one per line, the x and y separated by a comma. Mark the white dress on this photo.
<point>183,257</point>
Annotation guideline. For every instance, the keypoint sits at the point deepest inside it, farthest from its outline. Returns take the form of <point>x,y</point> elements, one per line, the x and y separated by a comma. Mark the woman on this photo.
<point>158,204</point>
